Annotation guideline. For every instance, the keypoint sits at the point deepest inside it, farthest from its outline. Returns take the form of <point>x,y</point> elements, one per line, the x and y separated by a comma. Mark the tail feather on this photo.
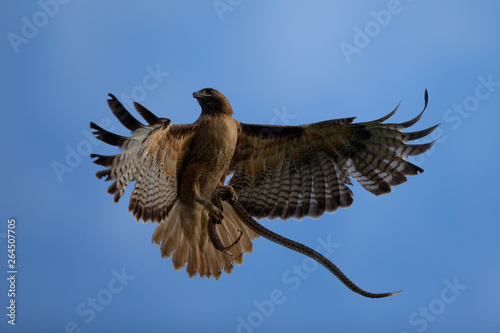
<point>171,243</point>
<point>180,256</point>
<point>214,261</point>
<point>183,235</point>
<point>194,262</point>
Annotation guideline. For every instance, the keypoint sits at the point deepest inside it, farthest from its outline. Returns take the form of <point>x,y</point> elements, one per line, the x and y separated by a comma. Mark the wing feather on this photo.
<point>150,157</point>
<point>299,171</point>
<point>123,115</point>
<point>149,116</point>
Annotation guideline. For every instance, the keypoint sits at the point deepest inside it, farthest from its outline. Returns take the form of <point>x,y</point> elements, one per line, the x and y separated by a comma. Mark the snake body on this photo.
<point>227,193</point>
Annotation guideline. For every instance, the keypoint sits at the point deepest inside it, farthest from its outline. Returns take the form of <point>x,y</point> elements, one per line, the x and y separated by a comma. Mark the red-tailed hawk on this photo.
<point>277,172</point>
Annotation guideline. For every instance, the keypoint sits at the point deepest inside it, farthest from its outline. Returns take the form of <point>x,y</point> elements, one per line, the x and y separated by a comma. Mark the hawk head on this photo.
<point>212,102</point>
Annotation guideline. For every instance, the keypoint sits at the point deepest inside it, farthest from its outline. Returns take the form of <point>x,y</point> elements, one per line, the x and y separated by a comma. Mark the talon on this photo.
<point>216,214</point>
<point>229,194</point>
<point>222,193</point>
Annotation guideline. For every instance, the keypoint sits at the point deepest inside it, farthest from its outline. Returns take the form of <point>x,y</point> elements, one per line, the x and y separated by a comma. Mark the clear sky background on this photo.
<point>278,62</point>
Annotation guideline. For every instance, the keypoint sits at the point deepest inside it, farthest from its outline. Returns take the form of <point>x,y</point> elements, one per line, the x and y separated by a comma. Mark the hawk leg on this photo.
<point>227,193</point>
<point>215,212</point>
<point>213,220</point>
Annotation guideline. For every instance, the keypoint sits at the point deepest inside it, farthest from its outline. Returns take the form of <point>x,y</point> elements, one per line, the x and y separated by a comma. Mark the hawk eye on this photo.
<point>209,91</point>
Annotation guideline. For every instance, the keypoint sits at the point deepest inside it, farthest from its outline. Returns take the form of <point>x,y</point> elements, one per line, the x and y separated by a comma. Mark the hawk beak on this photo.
<point>197,94</point>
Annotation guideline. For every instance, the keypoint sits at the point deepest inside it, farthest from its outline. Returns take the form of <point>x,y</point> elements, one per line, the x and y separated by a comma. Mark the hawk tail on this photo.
<point>183,236</point>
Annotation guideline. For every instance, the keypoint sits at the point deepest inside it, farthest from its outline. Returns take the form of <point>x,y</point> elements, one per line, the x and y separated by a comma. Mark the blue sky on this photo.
<point>85,265</point>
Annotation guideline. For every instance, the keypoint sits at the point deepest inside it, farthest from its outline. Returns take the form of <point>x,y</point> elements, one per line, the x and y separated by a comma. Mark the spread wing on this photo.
<point>298,171</point>
<point>150,157</point>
